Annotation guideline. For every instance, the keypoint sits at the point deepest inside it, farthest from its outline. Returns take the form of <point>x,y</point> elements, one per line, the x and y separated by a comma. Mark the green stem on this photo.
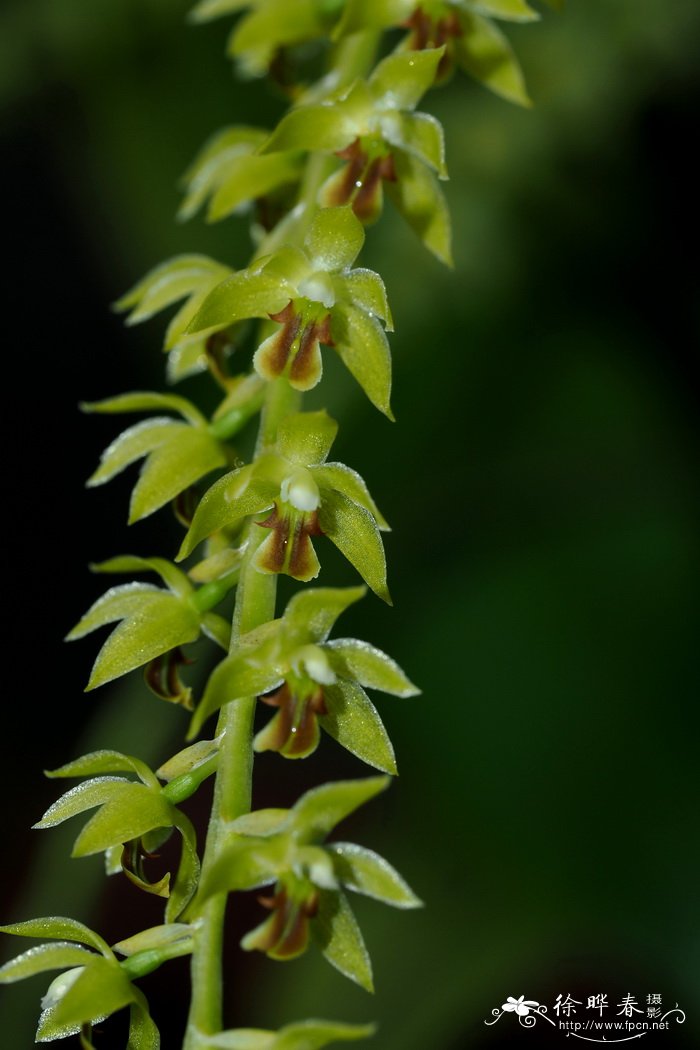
<point>255,605</point>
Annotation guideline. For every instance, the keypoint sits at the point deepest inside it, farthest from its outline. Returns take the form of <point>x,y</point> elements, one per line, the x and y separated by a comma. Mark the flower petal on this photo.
<point>335,239</point>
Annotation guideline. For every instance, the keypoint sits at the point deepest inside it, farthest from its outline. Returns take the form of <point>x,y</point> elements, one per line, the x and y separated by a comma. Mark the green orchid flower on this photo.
<point>133,818</point>
<point>314,683</point>
<point>92,987</point>
<point>177,453</point>
<point>94,984</point>
<point>314,296</point>
<point>374,128</point>
<point>268,26</point>
<point>306,496</point>
<point>188,277</point>
<point>230,173</point>
<point>155,621</point>
<point>466,29</point>
<point>284,848</point>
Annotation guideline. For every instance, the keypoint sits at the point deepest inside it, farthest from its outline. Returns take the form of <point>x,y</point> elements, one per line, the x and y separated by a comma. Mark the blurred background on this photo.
<point>540,482</point>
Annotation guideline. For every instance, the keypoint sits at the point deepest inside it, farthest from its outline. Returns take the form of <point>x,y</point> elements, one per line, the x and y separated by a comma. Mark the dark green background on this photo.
<point>540,482</point>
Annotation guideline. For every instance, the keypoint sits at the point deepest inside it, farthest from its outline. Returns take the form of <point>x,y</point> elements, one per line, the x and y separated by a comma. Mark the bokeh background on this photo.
<point>540,481</point>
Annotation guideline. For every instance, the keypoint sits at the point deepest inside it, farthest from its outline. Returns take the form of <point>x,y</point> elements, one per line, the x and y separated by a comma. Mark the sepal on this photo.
<point>339,937</point>
<point>485,53</point>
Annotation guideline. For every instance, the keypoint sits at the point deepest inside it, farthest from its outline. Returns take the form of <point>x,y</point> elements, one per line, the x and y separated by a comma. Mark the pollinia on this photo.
<point>311,186</point>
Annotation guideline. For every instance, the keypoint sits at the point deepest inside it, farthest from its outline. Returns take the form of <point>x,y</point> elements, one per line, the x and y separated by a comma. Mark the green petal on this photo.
<point>244,864</point>
<point>373,669</point>
<point>304,1035</point>
<point>217,629</point>
<point>187,877</point>
<point>364,871</point>
<point>187,359</point>
<point>42,958</point>
<point>364,349</point>
<point>508,10</point>
<point>100,990</point>
<point>143,1033</point>
<point>178,329</point>
<point>276,24</point>
<point>365,289</point>
<point>287,264</point>
<point>207,10</point>
<point>311,614</point>
<point>155,938</point>
<point>144,401</point>
<point>115,604</point>
<point>236,677</point>
<point>216,566</point>
<point>215,160</point>
<point>261,823</point>
<point>343,479</point>
<point>485,53</point>
<point>313,1035</point>
<point>305,438</point>
<point>318,811</point>
<point>230,499</point>
<point>252,177</point>
<point>373,14</point>
<point>171,576</point>
<point>47,1030</point>
<point>327,127</point>
<point>132,444</point>
<point>56,927</point>
<point>167,283</point>
<point>85,796</point>
<point>105,762</point>
<point>336,932</point>
<point>161,623</point>
<point>354,532</point>
<point>242,295</point>
<point>401,79</point>
<point>422,203</point>
<point>176,464</point>
<point>188,759</point>
<point>420,134</point>
<point>335,239</point>
<point>354,722</point>
<point>243,1039</point>
<point>130,812</point>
